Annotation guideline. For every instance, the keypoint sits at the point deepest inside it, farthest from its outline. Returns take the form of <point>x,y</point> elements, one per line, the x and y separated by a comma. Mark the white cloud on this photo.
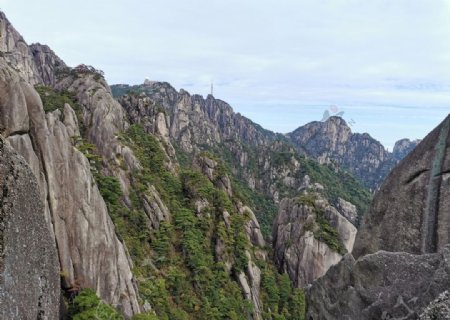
<point>292,52</point>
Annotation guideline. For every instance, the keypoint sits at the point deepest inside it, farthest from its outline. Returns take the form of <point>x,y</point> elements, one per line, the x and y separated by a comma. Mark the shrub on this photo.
<point>87,306</point>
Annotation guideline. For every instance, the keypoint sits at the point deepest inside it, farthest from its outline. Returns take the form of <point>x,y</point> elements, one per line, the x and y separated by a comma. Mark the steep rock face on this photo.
<point>403,147</point>
<point>16,52</point>
<point>333,141</point>
<point>89,251</point>
<point>193,120</point>
<point>411,210</point>
<point>298,250</point>
<point>29,267</point>
<point>36,64</point>
<point>383,285</point>
<point>48,64</point>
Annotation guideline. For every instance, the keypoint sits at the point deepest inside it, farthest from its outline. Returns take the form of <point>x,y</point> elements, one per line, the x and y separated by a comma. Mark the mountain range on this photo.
<point>152,203</point>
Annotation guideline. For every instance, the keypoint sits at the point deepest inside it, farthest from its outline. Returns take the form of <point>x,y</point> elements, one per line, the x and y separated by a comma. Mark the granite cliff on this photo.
<point>402,246</point>
<point>29,269</point>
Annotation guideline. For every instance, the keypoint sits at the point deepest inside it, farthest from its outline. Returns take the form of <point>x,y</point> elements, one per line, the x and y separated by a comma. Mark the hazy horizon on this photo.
<point>384,64</point>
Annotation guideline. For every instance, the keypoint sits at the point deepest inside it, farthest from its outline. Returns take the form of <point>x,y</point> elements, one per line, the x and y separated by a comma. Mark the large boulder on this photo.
<point>383,285</point>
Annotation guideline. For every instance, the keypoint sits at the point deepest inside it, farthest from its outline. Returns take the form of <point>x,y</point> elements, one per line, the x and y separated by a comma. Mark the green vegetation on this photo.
<point>177,267</point>
<point>280,299</point>
<point>53,100</point>
<point>338,183</point>
<point>322,229</point>
<point>121,90</point>
<point>87,306</point>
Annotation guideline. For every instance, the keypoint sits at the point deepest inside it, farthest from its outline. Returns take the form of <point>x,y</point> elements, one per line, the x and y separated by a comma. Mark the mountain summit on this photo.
<point>332,141</point>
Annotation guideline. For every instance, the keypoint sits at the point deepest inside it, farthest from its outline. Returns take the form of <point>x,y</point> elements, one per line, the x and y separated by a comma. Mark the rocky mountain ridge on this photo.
<point>113,194</point>
<point>330,141</point>
<point>158,200</point>
<point>333,141</point>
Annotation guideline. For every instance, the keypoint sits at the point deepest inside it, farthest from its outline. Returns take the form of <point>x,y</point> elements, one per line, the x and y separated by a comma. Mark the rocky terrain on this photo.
<point>402,247</point>
<point>413,202</point>
<point>309,237</point>
<point>403,147</point>
<point>126,219</point>
<point>29,269</point>
<point>333,141</point>
<point>153,203</point>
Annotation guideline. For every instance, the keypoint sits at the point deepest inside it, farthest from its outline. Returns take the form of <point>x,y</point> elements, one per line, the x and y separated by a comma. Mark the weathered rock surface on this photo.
<point>297,251</point>
<point>411,211</point>
<point>35,64</point>
<point>333,141</point>
<point>29,266</point>
<point>90,253</point>
<point>438,309</point>
<point>403,147</point>
<point>48,64</point>
<point>348,210</point>
<point>16,52</point>
<point>383,285</point>
<point>193,120</point>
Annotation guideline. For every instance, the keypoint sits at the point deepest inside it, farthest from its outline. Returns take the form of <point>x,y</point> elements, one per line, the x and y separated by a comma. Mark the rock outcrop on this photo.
<point>333,141</point>
<point>300,247</point>
<point>438,309</point>
<point>90,253</point>
<point>192,120</point>
<point>48,64</point>
<point>411,211</point>
<point>403,246</point>
<point>383,285</point>
<point>403,147</point>
<point>35,64</point>
<point>29,266</point>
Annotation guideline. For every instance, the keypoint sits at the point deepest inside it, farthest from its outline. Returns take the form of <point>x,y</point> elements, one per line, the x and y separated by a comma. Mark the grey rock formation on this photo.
<point>403,147</point>
<point>16,52</point>
<point>438,309</point>
<point>193,120</point>
<point>333,141</point>
<point>29,266</point>
<point>47,63</point>
<point>90,253</point>
<point>297,250</point>
<point>348,210</point>
<point>383,285</point>
<point>409,219</point>
<point>35,64</point>
<point>411,211</point>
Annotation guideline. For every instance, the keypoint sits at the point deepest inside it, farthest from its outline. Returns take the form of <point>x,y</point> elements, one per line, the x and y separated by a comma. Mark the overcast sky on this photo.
<point>385,63</point>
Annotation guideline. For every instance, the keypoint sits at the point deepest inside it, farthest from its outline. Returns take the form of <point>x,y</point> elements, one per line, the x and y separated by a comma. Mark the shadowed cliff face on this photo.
<point>29,267</point>
<point>411,211</point>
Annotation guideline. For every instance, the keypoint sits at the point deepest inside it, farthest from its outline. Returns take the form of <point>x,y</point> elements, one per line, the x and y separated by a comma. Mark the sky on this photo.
<point>384,63</point>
